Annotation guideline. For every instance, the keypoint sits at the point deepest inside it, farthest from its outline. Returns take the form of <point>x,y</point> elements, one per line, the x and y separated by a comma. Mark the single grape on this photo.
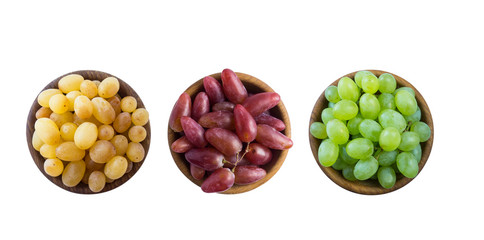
<point>328,153</point>
<point>422,129</point>
<point>345,157</point>
<point>73,173</point>
<point>116,167</point>
<point>207,158</point>
<point>140,116</point>
<point>409,141</point>
<point>415,117</point>
<point>88,89</point>
<point>369,106</point>
<point>345,109</point>
<point>365,168</point>
<point>245,125</point>
<point>331,104</point>
<point>387,83</point>
<point>360,148</point>
<point>407,164</point>
<point>183,107</point>
<point>318,130</point>
<point>417,152</point>
<point>128,104</point>
<point>181,145</point>
<point>135,152</point>
<point>392,118</point>
<point>69,83</point>
<point>220,180</point>
<point>387,159</point>
<point>348,173</point>
<point>405,103</point>
<point>108,88</point>
<point>261,102</point>
<point>197,172</point>
<point>327,115</point>
<point>353,124</point>
<point>370,129</point>
<point>223,106</point>
<point>347,89</point>
<point>233,88</point>
<point>258,154</point>
<point>387,101</point>
<point>331,94</point>
<point>218,119</point>
<point>337,131</point>
<point>339,164</point>
<point>370,84</point>
<point>53,167</point>
<point>193,131</point>
<point>389,139</point>
<point>223,140</point>
<point>102,151</point>
<point>274,122</point>
<point>213,89</point>
<point>103,111</point>
<point>387,177</point>
<point>271,138</point>
<point>359,77</point>
<point>248,174</point>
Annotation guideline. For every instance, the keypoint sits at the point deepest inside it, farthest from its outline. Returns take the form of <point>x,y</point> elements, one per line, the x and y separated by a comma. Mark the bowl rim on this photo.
<point>247,80</point>
<point>363,187</point>
<point>38,159</point>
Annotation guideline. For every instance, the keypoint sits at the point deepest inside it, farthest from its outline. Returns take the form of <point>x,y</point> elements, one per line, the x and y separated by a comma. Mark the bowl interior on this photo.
<point>371,187</point>
<point>124,90</point>
<point>253,85</point>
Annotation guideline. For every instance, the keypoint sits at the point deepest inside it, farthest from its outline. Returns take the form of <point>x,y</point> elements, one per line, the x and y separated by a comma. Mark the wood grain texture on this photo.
<point>371,187</point>
<point>253,85</point>
<point>124,90</point>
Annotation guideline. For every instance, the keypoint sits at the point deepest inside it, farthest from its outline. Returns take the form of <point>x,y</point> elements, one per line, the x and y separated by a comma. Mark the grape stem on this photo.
<point>247,149</point>
<point>377,153</point>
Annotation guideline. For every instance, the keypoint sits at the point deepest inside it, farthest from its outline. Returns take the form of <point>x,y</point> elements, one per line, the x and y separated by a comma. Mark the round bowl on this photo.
<point>124,90</point>
<point>253,85</point>
<point>371,187</point>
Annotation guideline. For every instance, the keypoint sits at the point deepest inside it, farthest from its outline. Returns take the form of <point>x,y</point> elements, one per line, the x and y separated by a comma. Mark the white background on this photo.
<point>298,48</point>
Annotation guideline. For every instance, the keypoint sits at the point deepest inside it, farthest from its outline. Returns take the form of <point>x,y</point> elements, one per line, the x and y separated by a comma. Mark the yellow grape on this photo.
<point>47,131</point>
<point>140,117</point>
<point>67,131</point>
<point>60,119</point>
<point>130,166</point>
<point>43,112</point>
<point>72,98</point>
<point>135,152</point>
<point>48,151</point>
<point>69,83</point>
<point>97,181</point>
<point>97,82</point>
<point>129,104</point>
<point>73,173</point>
<point>106,132</point>
<point>103,111</point>
<point>37,142</point>
<point>122,122</point>
<point>116,104</point>
<point>86,135</point>
<point>53,167</point>
<point>137,134</point>
<point>83,107</point>
<point>91,165</point>
<point>78,121</point>
<point>120,142</point>
<point>88,89</point>
<point>59,103</point>
<point>68,151</point>
<point>102,151</point>
<point>44,96</point>
<point>87,173</point>
<point>109,180</point>
<point>108,87</point>
<point>116,167</point>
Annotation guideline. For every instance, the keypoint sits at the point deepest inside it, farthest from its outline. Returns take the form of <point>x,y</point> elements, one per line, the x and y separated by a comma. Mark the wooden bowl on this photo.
<point>253,85</point>
<point>371,187</point>
<point>124,90</point>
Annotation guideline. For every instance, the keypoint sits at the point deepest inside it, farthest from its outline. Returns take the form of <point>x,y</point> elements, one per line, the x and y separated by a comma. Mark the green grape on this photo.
<point>387,177</point>
<point>386,159</point>
<point>405,103</point>
<point>410,140</point>
<point>339,164</point>
<point>353,124</point>
<point>370,129</point>
<point>328,153</point>
<point>365,168</point>
<point>331,94</point>
<point>347,89</point>
<point>422,129</point>
<point>359,77</point>
<point>370,84</point>
<point>389,139</point>
<point>387,83</point>
<point>407,164</point>
<point>410,90</point>
<point>345,157</point>
<point>331,105</point>
<point>348,173</point>
<point>345,110</point>
<point>417,152</point>
<point>369,106</point>
<point>360,148</point>
<point>414,117</point>
<point>337,131</point>
<point>327,115</point>
<point>392,118</point>
<point>318,130</point>
<point>387,101</point>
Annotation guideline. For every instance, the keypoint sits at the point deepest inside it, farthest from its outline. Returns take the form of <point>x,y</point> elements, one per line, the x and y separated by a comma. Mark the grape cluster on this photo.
<point>371,129</point>
<point>87,132</point>
<point>226,134</point>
